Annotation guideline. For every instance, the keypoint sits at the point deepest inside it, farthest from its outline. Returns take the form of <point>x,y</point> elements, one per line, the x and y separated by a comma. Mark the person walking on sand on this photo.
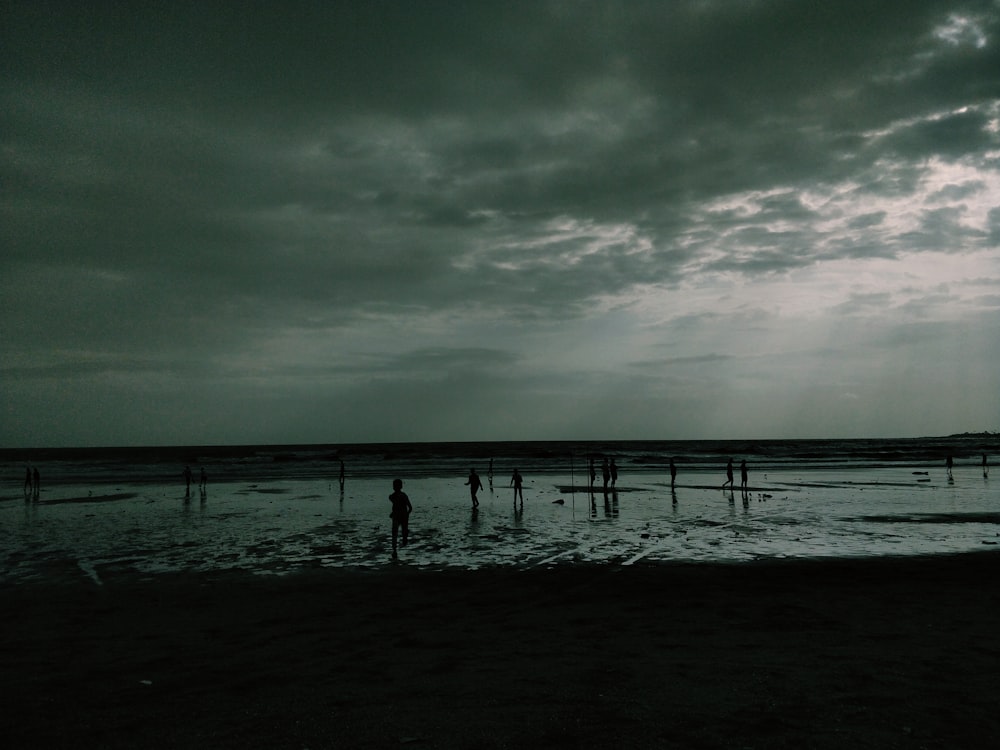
<point>516,482</point>
<point>203,483</point>
<point>400,515</point>
<point>28,486</point>
<point>605,472</point>
<point>729,475</point>
<point>187,478</point>
<point>614,473</point>
<point>673,472</point>
<point>36,480</point>
<point>948,463</point>
<point>593,473</point>
<point>475,484</point>
<point>743,475</point>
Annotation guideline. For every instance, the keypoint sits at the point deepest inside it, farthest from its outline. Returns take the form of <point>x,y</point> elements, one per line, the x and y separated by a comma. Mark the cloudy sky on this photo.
<point>395,221</point>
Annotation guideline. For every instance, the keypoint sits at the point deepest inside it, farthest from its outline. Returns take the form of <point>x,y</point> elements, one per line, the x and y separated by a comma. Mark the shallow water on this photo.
<point>296,521</point>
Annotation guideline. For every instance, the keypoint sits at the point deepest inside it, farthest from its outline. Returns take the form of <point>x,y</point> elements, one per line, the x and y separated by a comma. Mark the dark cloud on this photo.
<point>190,186</point>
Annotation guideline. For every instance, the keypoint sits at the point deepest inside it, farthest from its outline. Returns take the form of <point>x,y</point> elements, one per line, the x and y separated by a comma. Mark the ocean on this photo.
<point>274,510</point>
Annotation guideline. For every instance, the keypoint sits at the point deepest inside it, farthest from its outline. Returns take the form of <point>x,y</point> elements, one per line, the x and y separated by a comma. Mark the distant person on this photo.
<point>489,471</point>
<point>614,473</point>
<point>36,481</point>
<point>605,472</point>
<point>986,467</point>
<point>28,485</point>
<point>342,474</point>
<point>729,475</point>
<point>203,482</point>
<point>948,462</point>
<point>400,515</point>
<point>743,475</point>
<point>593,473</point>
<point>673,472</point>
<point>187,478</point>
<point>517,482</point>
<point>475,484</point>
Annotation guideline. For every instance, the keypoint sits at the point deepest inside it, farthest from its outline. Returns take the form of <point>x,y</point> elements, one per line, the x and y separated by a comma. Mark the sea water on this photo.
<point>279,509</point>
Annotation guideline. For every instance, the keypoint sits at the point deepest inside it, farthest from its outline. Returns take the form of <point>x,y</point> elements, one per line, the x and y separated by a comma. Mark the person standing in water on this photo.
<point>516,482</point>
<point>475,484</point>
<point>743,475</point>
<point>948,463</point>
<point>605,472</point>
<point>986,467</point>
<point>614,473</point>
<point>400,515</point>
<point>729,475</point>
<point>187,478</point>
<point>593,474</point>
<point>673,472</point>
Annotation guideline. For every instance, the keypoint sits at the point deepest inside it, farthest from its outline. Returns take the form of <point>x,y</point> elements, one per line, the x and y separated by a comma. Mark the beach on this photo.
<point>887,652</point>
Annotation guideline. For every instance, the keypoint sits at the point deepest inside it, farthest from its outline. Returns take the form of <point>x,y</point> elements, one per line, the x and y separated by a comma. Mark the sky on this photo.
<point>343,222</point>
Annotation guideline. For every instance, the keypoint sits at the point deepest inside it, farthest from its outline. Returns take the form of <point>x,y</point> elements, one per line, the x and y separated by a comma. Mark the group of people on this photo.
<point>32,482</point>
<point>202,481</point>
<point>609,472</point>
<point>475,484</point>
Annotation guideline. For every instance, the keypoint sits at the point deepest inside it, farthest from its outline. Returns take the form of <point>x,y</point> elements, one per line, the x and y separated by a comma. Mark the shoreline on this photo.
<point>780,653</point>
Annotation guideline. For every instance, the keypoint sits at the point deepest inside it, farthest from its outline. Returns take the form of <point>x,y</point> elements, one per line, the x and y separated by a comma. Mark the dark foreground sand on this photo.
<point>834,654</point>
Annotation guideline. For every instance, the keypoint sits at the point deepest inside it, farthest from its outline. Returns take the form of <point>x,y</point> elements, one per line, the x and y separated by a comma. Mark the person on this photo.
<point>673,472</point>
<point>36,481</point>
<point>729,475</point>
<point>593,473</point>
<point>986,467</point>
<point>516,483</point>
<point>475,484</point>
<point>948,464</point>
<point>187,478</point>
<point>28,486</point>
<point>204,478</point>
<point>342,477</point>
<point>400,515</point>
<point>614,473</point>
<point>743,475</point>
<point>605,472</point>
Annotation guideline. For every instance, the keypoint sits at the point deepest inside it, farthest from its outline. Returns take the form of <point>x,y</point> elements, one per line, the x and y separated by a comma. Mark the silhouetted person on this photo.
<point>729,475</point>
<point>28,485</point>
<point>400,515</point>
<point>342,475</point>
<point>516,482</point>
<point>986,467</point>
<point>187,478</point>
<point>204,478</point>
<point>614,473</point>
<point>36,481</point>
<point>489,471</point>
<point>673,472</point>
<point>948,464</point>
<point>743,475</point>
<point>593,473</point>
<point>605,472</point>
<point>475,484</point>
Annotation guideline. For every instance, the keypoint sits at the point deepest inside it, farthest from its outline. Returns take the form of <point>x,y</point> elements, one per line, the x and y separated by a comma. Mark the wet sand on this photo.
<point>807,654</point>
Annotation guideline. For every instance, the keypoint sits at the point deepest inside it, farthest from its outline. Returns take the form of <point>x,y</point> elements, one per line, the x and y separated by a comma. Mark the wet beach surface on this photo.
<point>873,653</point>
<point>292,524</point>
<point>827,609</point>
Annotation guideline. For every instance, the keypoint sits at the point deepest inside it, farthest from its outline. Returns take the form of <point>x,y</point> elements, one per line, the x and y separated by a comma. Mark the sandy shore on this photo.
<point>833,654</point>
